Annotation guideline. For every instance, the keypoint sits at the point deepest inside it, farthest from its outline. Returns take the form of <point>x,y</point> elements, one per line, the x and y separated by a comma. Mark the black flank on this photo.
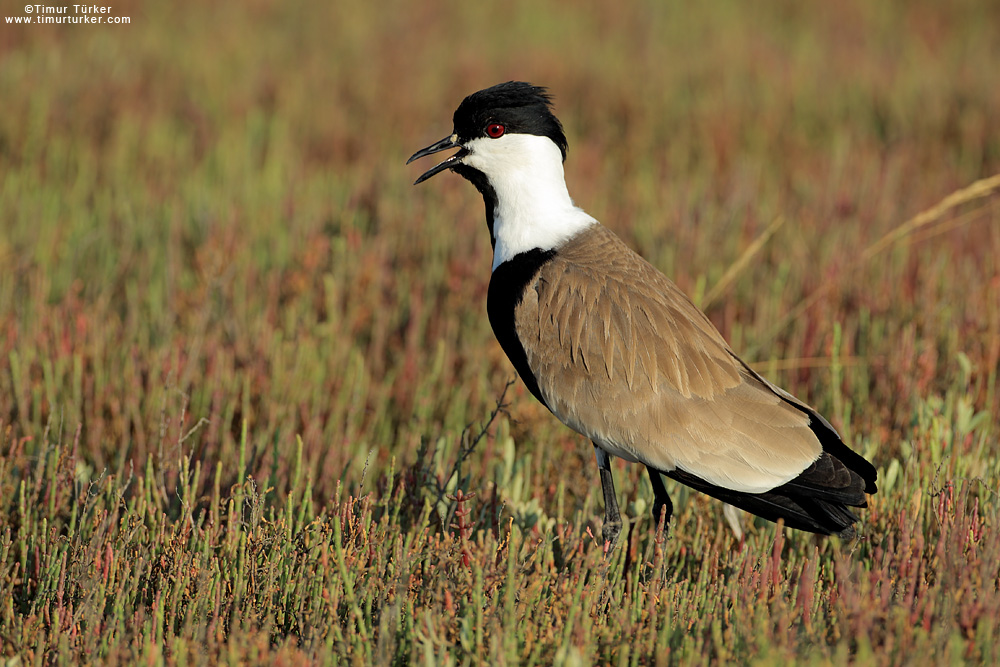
<point>507,286</point>
<point>799,508</point>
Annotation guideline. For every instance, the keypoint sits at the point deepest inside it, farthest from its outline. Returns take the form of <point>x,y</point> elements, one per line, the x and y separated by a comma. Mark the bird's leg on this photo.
<point>662,502</point>
<point>612,519</point>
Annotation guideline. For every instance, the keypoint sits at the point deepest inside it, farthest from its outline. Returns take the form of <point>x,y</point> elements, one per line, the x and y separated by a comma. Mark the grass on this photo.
<point>251,409</point>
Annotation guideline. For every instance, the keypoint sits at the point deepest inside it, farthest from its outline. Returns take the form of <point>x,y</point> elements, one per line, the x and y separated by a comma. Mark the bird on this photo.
<point>617,352</point>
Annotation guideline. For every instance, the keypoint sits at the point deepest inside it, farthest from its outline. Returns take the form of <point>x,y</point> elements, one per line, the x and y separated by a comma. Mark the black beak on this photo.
<point>443,145</point>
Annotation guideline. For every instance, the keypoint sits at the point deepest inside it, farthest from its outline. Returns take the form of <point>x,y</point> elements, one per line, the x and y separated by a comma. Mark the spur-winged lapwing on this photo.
<point>618,353</point>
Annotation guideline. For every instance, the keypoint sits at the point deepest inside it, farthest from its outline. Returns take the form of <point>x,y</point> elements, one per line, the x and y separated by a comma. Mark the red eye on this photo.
<point>495,130</point>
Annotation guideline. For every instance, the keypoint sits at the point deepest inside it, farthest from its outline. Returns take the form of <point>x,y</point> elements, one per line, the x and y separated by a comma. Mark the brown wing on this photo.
<point>623,356</point>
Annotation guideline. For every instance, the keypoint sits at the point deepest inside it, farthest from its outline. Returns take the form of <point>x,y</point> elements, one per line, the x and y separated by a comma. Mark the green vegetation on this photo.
<point>248,390</point>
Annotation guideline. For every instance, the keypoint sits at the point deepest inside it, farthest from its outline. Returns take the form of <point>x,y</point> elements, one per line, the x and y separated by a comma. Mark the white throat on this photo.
<point>533,210</point>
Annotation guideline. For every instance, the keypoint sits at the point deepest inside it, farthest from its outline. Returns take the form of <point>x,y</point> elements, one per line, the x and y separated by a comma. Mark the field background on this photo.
<point>248,390</point>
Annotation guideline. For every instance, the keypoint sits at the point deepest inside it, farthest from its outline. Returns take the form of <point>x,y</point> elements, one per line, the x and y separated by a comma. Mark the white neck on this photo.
<point>534,210</point>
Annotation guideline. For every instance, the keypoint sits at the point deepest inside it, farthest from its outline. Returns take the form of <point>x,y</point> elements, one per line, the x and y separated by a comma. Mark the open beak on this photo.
<point>443,145</point>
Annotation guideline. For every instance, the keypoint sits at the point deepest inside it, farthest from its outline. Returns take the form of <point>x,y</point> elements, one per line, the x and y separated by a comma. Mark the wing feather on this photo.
<point>623,356</point>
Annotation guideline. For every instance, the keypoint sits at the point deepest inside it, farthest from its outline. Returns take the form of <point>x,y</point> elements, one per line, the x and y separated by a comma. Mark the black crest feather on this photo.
<point>521,107</point>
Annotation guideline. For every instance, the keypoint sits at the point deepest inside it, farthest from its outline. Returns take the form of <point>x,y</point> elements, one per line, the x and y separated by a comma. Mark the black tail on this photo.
<point>818,499</point>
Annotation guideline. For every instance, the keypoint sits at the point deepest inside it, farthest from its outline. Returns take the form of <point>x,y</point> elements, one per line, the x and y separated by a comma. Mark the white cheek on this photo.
<point>501,158</point>
<point>534,209</point>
